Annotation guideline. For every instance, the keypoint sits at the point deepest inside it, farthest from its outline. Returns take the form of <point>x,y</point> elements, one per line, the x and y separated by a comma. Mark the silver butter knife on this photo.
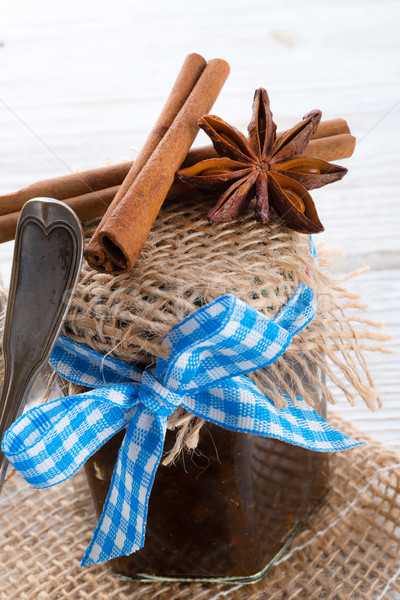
<point>47,259</point>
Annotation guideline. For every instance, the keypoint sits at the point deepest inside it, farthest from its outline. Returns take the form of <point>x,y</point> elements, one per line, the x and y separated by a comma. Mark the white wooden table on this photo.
<point>85,81</point>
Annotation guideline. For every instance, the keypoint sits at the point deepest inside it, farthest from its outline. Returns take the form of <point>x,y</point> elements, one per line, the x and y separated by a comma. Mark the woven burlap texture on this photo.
<point>187,262</point>
<point>349,549</point>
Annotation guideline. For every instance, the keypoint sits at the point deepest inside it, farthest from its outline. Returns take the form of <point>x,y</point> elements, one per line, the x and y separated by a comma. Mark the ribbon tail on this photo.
<point>50,442</point>
<point>121,528</point>
<point>241,406</point>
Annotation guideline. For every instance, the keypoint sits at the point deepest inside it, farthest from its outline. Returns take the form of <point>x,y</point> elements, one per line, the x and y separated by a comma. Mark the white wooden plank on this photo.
<point>381,290</point>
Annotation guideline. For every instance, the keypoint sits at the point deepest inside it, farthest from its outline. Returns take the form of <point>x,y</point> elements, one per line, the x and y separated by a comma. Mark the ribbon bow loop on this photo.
<point>228,338</point>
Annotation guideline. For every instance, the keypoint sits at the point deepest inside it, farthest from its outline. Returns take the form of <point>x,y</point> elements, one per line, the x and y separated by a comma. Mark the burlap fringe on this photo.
<point>187,263</point>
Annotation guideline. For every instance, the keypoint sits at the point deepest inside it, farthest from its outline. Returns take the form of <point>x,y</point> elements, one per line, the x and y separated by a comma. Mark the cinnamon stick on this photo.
<point>66,186</point>
<point>87,206</point>
<point>331,127</point>
<point>87,182</point>
<point>94,204</point>
<point>123,243</point>
<point>328,148</point>
<point>188,76</point>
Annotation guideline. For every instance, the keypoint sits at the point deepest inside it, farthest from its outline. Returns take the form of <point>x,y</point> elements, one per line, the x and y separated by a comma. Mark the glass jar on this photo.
<point>224,512</point>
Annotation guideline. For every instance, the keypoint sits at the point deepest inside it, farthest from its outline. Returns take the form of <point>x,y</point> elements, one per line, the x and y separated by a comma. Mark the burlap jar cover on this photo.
<point>187,263</point>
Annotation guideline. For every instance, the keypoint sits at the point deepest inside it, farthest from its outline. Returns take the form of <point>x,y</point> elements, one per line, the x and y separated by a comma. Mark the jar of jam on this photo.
<point>224,512</point>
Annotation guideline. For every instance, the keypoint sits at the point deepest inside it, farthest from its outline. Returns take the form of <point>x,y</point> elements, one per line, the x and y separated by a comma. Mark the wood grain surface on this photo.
<point>83,82</point>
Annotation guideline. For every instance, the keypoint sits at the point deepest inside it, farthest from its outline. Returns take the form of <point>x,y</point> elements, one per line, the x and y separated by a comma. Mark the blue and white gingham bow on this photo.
<point>210,352</point>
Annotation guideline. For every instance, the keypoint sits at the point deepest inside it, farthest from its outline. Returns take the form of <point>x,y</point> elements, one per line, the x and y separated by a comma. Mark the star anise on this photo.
<point>271,168</point>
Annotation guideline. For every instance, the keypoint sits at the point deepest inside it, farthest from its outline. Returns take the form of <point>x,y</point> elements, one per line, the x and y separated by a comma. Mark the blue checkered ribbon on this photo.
<point>209,354</point>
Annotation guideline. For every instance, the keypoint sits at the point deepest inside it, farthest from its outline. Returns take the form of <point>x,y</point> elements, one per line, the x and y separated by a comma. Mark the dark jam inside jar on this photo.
<point>224,512</point>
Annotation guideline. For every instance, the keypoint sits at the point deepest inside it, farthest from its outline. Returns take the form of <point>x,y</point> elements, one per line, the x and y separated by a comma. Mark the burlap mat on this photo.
<point>350,548</point>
